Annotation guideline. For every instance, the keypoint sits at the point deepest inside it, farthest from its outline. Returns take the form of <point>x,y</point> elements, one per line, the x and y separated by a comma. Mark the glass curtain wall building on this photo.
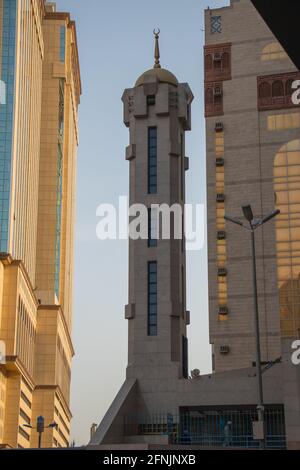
<point>40,92</point>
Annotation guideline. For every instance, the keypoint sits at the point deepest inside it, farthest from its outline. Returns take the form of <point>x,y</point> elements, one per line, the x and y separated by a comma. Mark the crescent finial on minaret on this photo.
<point>156,52</point>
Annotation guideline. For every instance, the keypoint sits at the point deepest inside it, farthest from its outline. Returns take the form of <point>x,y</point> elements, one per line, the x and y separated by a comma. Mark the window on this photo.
<point>279,122</point>
<point>215,24</point>
<point>287,190</point>
<point>185,367</point>
<point>152,160</point>
<point>59,191</point>
<point>226,60</point>
<point>152,298</point>
<point>150,100</point>
<point>59,194</point>
<point>265,90</point>
<point>62,50</point>
<point>25,399</point>
<point>61,110</point>
<point>275,91</point>
<point>277,88</point>
<point>24,416</point>
<point>273,51</point>
<point>217,62</point>
<point>220,221</point>
<point>24,434</point>
<point>152,228</point>
<point>288,87</point>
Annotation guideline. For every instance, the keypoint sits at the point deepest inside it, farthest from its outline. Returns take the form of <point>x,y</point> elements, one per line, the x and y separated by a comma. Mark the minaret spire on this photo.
<point>156,51</point>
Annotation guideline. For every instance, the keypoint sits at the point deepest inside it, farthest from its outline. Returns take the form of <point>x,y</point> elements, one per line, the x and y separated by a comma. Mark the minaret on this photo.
<point>157,113</point>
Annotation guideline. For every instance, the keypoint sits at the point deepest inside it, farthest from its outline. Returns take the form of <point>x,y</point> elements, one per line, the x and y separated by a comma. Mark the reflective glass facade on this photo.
<point>152,298</point>
<point>59,186</point>
<point>6,115</point>
<point>287,192</point>
<point>62,52</point>
<point>152,160</point>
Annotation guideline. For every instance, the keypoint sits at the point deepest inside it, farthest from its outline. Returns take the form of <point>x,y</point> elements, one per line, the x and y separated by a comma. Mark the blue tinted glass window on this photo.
<point>59,190</point>
<point>152,298</point>
<point>152,229</point>
<point>7,79</point>
<point>62,43</point>
<point>152,160</point>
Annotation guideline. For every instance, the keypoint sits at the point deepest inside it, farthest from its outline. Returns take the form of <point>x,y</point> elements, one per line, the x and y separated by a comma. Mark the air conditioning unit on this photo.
<point>223,310</point>
<point>224,349</point>
<point>217,90</point>
<point>195,373</point>
<point>219,127</point>
<point>220,197</point>
<point>222,272</point>
<point>221,235</point>
<point>220,162</point>
<point>218,56</point>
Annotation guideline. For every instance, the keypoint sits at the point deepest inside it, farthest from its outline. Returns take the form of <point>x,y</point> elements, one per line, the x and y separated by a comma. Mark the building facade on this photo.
<point>253,157</point>
<point>40,93</point>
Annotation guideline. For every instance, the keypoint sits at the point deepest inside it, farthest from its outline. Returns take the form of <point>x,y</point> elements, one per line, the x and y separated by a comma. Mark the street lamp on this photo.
<point>253,225</point>
<point>40,428</point>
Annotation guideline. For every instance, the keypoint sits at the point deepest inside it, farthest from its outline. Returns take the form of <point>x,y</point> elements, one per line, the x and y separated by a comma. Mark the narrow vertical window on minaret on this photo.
<point>185,366</point>
<point>152,228</point>
<point>152,160</point>
<point>152,298</point>
<point>182,172</point>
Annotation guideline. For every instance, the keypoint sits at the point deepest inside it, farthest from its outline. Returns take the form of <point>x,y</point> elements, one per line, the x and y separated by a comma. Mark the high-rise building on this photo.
<point>253,157</point>
<point>40,93</point>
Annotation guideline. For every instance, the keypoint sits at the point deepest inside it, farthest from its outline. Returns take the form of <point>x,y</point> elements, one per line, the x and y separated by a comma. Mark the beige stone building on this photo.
<point>253,157</point>
<point>40,93</point>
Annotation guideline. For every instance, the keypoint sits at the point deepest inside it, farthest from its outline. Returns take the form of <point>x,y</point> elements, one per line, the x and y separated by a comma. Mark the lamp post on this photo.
<point>253,225</point>
<point>40,428</point>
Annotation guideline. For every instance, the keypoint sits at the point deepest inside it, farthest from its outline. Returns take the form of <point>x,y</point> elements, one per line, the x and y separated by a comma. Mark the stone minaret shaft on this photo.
<point>157,112</point>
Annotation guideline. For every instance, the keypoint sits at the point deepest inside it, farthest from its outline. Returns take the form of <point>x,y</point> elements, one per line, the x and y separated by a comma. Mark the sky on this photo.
<point>115,42</point>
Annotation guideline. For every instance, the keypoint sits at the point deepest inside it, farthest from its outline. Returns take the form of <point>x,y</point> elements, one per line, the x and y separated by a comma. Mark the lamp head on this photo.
<point>248,214</point>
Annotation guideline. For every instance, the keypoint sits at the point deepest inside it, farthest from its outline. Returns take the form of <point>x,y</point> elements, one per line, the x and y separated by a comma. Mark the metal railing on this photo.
<point>211,428</point>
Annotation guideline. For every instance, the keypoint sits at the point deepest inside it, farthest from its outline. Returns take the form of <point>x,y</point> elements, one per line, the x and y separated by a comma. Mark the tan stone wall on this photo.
<point>17,330</point>
<point>1,290</point>
<point>2,400</point>
<point>49,403</point>
<point>26,140</point>
<point>36,377</point>
<point>11,428</point>
<point>55,71</point>
<point>54,351</point>
<point>250,149</point>
<point>9,309</point>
